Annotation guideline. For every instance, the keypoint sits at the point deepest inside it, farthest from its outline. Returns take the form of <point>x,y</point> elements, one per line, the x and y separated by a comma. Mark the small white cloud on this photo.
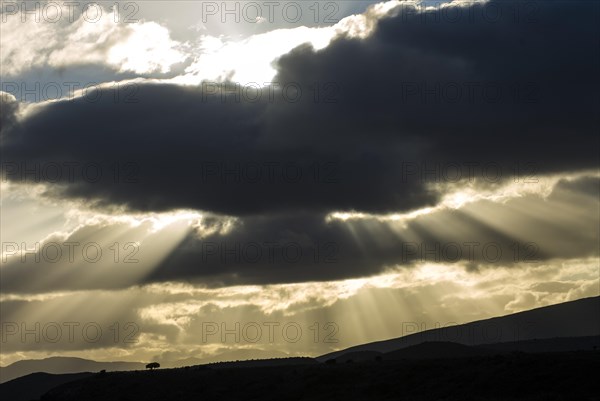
<point>142,47</point>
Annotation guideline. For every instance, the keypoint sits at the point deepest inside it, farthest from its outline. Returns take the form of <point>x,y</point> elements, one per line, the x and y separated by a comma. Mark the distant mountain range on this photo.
<point>570,326</point>
<point>441,350</point>
<point>60,365</point>
<point>580,318</point>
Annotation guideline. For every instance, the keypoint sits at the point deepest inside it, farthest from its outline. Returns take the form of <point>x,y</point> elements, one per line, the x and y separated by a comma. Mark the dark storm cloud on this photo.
<point>182,148</point>
<point>481,88</point>
<point>312,249</point>
<point>475,85</point>
<point>8,110</point>
<point>306,247</point>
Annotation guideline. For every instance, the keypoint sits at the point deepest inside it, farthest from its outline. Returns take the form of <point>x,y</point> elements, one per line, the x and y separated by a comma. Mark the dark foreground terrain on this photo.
<point>511,376</point>
<point>30,387</point>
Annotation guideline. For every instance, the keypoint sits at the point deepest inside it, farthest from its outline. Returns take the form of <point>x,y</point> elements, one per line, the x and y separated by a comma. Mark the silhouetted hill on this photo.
<point>59,365</point>
<point>242,354</point>
<point>508,377</point>
<point>437,350</point>
<point>358,356</point>
<point>33,386</point>
<point>229,356</point>
<point>565,344</point>
<point>252,363</point>
<point>442,352</point>
<point>570,319</point>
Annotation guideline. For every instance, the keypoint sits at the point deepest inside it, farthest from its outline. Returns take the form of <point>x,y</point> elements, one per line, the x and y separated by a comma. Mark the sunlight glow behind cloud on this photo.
<point>169,293</point>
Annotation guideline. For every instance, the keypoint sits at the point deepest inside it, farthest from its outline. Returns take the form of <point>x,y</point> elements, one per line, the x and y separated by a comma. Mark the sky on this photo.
<point>189,179</point>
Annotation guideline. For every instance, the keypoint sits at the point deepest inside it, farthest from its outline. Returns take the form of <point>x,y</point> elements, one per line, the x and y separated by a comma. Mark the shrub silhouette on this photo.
<point>153,365</point>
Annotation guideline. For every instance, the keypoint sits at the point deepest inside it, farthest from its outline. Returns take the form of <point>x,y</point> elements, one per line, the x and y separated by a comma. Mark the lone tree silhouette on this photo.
<point>153,365</point>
